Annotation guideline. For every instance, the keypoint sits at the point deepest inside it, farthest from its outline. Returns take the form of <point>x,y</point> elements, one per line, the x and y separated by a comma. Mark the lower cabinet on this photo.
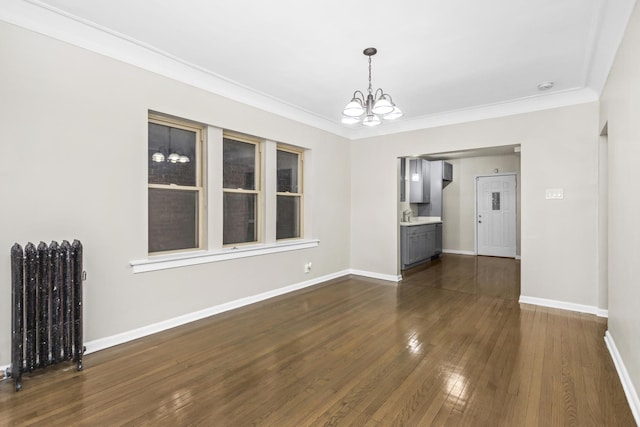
<point>419,243</point>
<point>438,239</point>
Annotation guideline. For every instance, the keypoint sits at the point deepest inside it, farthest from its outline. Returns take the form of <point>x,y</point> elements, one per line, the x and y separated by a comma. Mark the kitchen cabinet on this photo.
<point>438,249</point>
<point>419,181</point>
<point>441,176</point>
<point>418,244</point>
<point>447,173</point>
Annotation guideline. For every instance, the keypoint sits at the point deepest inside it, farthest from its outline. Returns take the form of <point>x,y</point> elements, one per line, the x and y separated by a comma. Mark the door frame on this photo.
<point>475,206</point>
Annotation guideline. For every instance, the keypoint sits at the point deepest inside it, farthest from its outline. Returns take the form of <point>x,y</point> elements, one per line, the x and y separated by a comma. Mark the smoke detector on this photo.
<point>545,85</point>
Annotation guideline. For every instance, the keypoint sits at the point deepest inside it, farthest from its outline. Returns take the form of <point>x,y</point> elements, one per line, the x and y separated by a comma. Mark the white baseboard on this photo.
<point>457,252</point>
<point>627,385</point>
<point>121,338</point>
<point>589,309</point>
<point>371,274</point>
<point>133,334</point>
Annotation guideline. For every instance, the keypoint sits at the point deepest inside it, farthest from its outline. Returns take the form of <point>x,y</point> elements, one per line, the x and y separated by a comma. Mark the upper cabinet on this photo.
<point>419,181</point>
<point>447,173</point>
<point>441,175</point>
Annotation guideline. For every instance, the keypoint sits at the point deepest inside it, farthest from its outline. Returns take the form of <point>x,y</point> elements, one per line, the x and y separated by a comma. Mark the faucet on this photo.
<point>406,215</point>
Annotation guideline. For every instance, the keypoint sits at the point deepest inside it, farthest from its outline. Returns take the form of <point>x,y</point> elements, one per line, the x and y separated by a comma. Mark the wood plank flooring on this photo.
<point>450,345</point>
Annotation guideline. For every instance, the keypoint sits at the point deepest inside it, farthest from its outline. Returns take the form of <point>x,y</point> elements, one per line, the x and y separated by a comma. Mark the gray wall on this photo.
<point>558,150</point>
<point>620,109</point>
<point>75,117</point>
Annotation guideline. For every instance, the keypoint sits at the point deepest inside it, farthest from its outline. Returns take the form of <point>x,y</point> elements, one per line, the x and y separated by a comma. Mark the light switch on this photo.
<point>554,193</point>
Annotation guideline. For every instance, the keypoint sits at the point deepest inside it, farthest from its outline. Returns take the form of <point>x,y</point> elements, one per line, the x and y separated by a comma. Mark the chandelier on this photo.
<point>368,110</point>
<point>173,157</point>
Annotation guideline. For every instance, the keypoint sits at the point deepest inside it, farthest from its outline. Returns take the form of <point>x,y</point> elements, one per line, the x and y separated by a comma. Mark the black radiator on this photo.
<point>46,322</point>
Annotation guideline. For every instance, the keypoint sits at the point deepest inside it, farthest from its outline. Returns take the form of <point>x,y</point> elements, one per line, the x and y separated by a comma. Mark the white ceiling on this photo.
<point>441,61</point>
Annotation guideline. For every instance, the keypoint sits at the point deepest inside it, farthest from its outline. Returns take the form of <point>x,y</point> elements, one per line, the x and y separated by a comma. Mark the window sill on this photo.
<point>163,262</point>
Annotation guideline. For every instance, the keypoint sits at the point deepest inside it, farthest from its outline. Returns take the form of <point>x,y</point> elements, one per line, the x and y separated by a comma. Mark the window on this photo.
<point>245,199</point>
<point>289,194</point>
<point>174,185</point>
<point>241,189</point>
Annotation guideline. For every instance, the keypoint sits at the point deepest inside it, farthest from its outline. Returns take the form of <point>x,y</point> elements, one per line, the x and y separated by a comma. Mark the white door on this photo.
<point>496,215</point>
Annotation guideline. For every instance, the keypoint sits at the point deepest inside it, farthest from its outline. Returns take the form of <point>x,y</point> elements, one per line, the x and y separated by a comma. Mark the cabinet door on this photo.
<point>415,244</point>
<point>426,181</point>
<point>420,181</point>
<point>447,171</point>
<point>438,250</point>
<point>424,247</point>
<point>416,182</point>
<point>430,241</point>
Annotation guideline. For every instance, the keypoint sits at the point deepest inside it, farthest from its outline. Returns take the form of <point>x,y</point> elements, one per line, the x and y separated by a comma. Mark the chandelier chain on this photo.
<point>370,88</point>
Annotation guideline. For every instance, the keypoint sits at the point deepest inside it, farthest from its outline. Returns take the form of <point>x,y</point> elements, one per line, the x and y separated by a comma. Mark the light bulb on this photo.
<point>382,106</point>
<point>353,108</point>
<point>350,120</point>
<point>371,120</point>
<point>157,157</point>
<point>395,114</point>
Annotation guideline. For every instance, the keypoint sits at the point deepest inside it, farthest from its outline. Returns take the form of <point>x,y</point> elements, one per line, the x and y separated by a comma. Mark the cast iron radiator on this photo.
<point>46,321</point>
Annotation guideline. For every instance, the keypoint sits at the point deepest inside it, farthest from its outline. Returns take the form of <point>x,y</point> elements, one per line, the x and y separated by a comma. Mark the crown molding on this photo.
<point>484,112</point>
<point>606,39</point>
<point>39,17</point>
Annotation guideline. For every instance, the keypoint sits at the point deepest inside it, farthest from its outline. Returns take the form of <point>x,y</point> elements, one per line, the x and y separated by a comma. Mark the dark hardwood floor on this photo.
<point>450,345</point>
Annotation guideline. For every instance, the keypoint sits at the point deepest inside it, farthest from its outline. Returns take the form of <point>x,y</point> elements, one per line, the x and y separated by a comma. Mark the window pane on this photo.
<point>239,162</point>
<point>173,219</point>
<point>495,201</point>
<point>288,217</point>
<point>239,218</point>
<point>287,172</point>
<point>172,155</point>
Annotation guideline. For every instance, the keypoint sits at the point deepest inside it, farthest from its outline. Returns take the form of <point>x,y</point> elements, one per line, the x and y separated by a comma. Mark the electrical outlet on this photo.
<point>307,267</point>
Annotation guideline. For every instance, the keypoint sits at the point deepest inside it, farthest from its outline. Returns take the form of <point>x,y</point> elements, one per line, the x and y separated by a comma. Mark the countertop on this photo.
<point>422,220</point>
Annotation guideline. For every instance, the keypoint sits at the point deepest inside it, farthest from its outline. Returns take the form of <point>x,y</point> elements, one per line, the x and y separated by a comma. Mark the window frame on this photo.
<point>199,188</point>
<point>299,194</point>
<point>257,191</point>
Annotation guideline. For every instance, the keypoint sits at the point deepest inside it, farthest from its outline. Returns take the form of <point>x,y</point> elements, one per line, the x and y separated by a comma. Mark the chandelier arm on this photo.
<point>362,97</point>
<point>382,94</point>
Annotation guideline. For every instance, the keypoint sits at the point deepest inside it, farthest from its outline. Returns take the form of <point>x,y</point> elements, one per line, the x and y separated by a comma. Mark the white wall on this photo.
<point>74,129</point>
<point>459,199</point>
<point>559,237</point>
<point>620,109</point>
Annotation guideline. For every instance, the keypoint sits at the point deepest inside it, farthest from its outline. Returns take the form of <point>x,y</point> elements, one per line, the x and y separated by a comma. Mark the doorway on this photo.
<point>496,215</point>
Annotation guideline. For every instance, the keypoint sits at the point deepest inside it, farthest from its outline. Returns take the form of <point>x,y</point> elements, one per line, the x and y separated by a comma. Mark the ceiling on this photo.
<point>441,61</point>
